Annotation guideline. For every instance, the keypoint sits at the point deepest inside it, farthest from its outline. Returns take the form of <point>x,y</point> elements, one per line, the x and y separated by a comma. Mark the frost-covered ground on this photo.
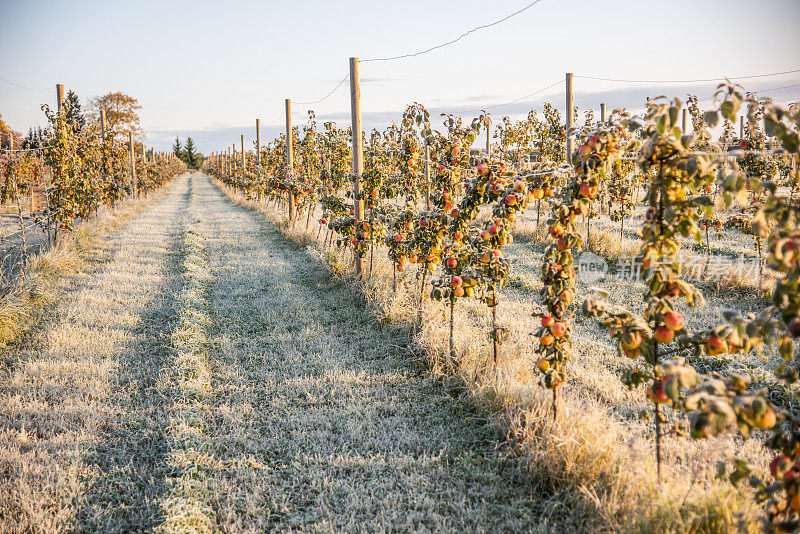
<point>207,375</point>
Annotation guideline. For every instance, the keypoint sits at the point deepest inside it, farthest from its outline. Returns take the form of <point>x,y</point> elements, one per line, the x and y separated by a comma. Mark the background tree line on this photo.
<point>187,153</point>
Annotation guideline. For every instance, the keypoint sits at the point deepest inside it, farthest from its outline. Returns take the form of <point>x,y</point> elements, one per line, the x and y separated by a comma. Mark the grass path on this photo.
<point>82,425</point>
<point>211,376</point>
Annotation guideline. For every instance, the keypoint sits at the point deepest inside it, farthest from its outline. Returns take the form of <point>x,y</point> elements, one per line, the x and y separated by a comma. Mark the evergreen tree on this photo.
<point>72,110</point>
<point>35,138</point>
<point>191,158</point>
<point>177,149</point>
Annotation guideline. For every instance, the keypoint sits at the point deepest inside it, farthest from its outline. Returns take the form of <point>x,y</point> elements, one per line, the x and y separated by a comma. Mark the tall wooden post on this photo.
<point>683,121</point>
<point>741,128</point>
<point>603,112</point>
<point>358,157</point>
<point>427,176</point>
<point>488,138</point>
<point>133,161</point>
<point>289,158</point>
<point>244,158</point>
<point>60,96</point>
<point>569,115</point>
<point>258,146</point>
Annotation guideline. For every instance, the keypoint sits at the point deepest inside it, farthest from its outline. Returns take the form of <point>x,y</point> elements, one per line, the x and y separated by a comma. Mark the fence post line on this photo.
<point>603,112</point>
<point>358,157</point>
<point>133,161</point>
<point>258,147</point>
<point>244,158</point>
<point>569,115</point>
<point>289,156</point>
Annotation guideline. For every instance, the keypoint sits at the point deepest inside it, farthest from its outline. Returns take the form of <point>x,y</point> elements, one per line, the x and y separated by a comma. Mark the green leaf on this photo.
<point>711,118</point>
<point>704,201</point>
<point>728,110</point>
<point>673,115</point>
<point>661,124</point>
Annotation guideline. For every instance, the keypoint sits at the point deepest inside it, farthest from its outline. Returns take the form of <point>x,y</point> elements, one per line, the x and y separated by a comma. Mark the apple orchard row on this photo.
<point>424,192</point>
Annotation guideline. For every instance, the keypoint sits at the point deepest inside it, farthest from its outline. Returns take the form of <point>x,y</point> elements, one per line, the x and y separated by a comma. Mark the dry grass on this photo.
<point>21,305</point>
<point>594,470</point>
<point>212,375</point>
<point>206,378</point>
<point>83,426</point>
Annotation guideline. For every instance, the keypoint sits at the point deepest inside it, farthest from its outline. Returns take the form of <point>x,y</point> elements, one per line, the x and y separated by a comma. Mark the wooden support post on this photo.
<point>683,121</point>
<point>741,128</point>
<point>258,147</point>
<point>133,161</point>
<point>244,158</point>
<point>358,157</point>
<point>569,115</point>
<point>289,157</point>
<point>427,177</point>
<point>488,138</point>
<point>603,112</point>
<point>60,96</point>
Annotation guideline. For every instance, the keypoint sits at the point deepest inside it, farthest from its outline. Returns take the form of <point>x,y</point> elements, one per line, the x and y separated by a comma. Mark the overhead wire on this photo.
<point>328,95</point>
<point>688,81</point>
<point>526,96</point>
<point>448,43</point>
<point>22,86</point>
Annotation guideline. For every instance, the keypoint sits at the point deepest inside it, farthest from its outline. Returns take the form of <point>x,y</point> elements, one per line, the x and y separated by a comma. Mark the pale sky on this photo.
<point>208,69</point>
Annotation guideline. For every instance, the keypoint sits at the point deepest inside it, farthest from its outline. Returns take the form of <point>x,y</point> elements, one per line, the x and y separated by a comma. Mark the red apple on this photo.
<point>716,345</point>
<point>664,335</point>
<point>673,321</point>
<point>780,465</point>
<point>558,329</point>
